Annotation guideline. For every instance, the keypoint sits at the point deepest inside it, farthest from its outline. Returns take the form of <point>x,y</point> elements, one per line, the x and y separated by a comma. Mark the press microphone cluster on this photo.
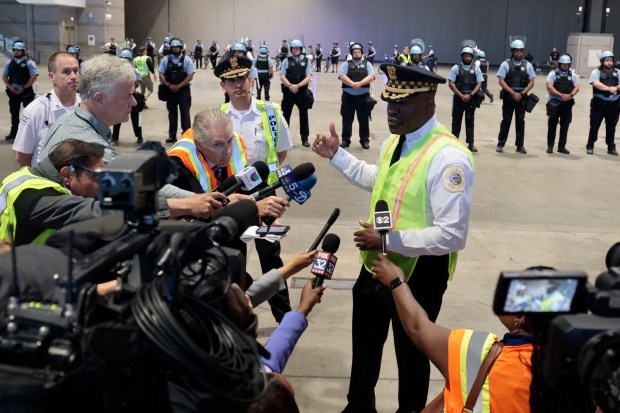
<point>382,221</point>
<point>288,180</point>
<point>306,184</point>
<point>325,261</point>
<point>247,179</point>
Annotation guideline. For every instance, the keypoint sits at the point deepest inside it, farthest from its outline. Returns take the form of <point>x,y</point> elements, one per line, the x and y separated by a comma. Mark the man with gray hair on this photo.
<point>106,89</point>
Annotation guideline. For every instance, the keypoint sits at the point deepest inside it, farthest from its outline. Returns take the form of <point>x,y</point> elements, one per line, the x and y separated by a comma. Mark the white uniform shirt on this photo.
<point>249,124</point>
<point>447,213</point>
<point>32,123</point>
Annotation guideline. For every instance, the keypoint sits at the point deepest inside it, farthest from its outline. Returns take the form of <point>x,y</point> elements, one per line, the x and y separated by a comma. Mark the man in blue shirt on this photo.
<point>562,85</point>
<point>19,75</point>
<point>175,73</point>
<point>516,78</point>
<point>356,76</point>
<point>296,74</point>
<point>465,80</point>
<point>604,104</point>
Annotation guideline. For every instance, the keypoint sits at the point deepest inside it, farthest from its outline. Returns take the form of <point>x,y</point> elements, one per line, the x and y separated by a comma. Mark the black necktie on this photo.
<point>398,150</point>
<point>218,174</point>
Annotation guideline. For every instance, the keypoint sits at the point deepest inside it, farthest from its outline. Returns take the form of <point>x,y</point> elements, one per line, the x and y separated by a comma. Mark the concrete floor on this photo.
<point>527,210</point>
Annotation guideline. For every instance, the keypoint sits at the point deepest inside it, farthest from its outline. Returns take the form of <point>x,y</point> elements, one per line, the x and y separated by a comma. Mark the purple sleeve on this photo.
<point>283,340</point>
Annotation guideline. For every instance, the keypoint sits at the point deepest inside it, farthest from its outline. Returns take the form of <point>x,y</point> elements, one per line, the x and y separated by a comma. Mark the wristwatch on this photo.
<point>396,282</point>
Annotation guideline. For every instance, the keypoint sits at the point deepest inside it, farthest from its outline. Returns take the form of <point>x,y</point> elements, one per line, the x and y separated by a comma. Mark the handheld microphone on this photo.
<point>330,221</point>
<point>382,220</point>
<point>246,179</point>
<point>287,178</point>
<point>306,184</point>
<point>325,261</point>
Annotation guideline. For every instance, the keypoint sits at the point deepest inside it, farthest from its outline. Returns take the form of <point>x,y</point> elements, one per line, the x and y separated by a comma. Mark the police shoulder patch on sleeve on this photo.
<point>24,119</point>
<point>453,179</point>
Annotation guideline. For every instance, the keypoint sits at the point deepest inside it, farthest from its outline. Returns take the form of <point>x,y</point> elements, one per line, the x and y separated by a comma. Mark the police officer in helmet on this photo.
<point>562,85</point>
<point>18,75</point>
<point>356,76</point>
<point>295,74</point>
<point>516,78</point>
<point>263,64</point>
<point>604,104</point>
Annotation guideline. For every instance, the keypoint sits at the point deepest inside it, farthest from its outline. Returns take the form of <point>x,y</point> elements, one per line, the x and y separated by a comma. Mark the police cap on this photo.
<point>233,67</point>
<point>406,80</point>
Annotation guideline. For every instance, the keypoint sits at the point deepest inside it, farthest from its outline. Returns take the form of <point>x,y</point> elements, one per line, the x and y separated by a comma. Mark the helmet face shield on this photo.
<point>19,46</point>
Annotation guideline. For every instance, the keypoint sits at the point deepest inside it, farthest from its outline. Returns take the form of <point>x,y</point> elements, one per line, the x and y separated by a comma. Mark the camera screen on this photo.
<point>547,295</point>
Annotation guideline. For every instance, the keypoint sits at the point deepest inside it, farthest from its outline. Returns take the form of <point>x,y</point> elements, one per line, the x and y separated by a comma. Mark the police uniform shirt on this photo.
<point>344,70</point>
<point>371,51</point>
<point>297,59</point>
<point>30,64</point>
<point>35,121</point>
<point>504,69</point>
<point>551,77</point>
<point>269,64</point>
<point>447,209</point>
<point>188,66</point>
<point>249,124</point>
<point>253,72</point>
<point>455,71</point>
<point>596,76</point>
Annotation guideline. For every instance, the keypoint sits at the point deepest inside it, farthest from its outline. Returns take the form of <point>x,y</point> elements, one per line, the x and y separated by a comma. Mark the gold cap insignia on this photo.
<point>233,63</point>
<point>391,72</point>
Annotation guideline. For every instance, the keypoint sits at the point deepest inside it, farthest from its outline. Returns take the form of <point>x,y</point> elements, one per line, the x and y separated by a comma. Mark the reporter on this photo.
<point>514,383</point>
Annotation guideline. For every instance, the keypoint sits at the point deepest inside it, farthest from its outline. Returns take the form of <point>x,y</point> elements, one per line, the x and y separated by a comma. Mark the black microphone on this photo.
<point>330,221</point>
<point>300,173</point>
<point>246,179</point>
<point>382,222</point>
<point>306,184</point>
<point>230,222</point>
<point>325,261</point>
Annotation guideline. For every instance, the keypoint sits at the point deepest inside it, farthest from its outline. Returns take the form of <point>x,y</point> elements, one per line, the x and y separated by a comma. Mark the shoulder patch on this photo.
<point>24,119</point>
<point>453,179</point>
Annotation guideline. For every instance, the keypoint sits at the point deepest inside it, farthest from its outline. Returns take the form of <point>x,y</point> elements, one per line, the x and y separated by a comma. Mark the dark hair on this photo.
<point>277,398</point>
<point>75,152</point>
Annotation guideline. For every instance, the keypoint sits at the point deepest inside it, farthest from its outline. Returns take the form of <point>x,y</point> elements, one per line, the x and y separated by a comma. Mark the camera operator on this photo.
<point>520,363</point>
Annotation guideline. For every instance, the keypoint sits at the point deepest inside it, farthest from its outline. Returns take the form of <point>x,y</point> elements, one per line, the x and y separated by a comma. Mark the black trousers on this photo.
<point>373,309</point>
<point>599,110</point>
<point>290,99</point>
<point>198,60</point>
<point>15,101</point>
<point>510,106</point>
<point>469,109</point>
<point>349,107</point>
<point>183,101</point>
<point>564,117</point>
<point>135,123</point>
<point>269,257</point>
<point>213,59</point>
<point>263,83</point>
<point>318,63</point>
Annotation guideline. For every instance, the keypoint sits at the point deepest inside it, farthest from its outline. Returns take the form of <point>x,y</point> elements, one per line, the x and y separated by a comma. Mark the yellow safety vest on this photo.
<point>185,149</point>
<point>143,68</point>
<point>404,58</point>
<point>403,186</point>
<point>270,113</point>
<point>10,189</point>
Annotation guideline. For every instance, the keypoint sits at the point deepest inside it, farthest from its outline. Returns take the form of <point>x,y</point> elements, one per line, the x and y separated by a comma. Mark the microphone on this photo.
<point>230,222</point>
<point>382,222</point>
<point>330,221</point>
<point>306,184</point>
<point>288,179</point>
<point>325,261</point>
<point>246,179</point>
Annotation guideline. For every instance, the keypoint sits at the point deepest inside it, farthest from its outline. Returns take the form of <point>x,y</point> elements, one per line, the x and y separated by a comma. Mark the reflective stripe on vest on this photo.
<point>270,114</point>
<point>185,149</point>
<point>403,186</point>
<point>10,189</point>
<point>467,349</point>
<point>142,66</point>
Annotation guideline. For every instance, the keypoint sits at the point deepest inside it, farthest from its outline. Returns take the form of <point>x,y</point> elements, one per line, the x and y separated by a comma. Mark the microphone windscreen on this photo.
<point>303,171</point>
<point>381,206</point>
<point>227,184</point>
<point>309,182</point>
<point>331,242</point>
<point>262,169</point>
<point>244,213</point>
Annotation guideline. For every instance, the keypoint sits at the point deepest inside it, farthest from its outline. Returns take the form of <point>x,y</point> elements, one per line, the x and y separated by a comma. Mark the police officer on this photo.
<point>371,53</point>
<point>295,75</point>
<point>75,51</point>
<point>135,110</point>
<point>144,65</point>
<point>404,59</point>
<point>239,50</point>
<point>516,78</point>
<point>250,47</point>
<point>562,85</point>
<point>164,49</point>
<point>415,52</point>
<point>175,73</point>
<point>334,55</point>
<point>283,50</point>
<point>151,48</point>
<point>214,50</point>
<point>356,76</point>
<point>264,68</point>
<point>110,47</point>
<point>319,57</point>
<point>604,104</point>
<point>483,64</point>
<point>554,57</point>
<point>19,74</point>
<point>465,80</point>
<point>198,52</point>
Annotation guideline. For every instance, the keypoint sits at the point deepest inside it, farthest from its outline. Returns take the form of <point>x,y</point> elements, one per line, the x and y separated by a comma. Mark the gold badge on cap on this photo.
<point>233,63</point>
<point>391,72</point>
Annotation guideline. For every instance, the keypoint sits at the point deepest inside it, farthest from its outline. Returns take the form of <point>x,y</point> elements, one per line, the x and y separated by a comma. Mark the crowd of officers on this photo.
<point>174,65</point>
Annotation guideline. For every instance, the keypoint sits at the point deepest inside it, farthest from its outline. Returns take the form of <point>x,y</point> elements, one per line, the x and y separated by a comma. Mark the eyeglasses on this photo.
<point>85,168</point>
